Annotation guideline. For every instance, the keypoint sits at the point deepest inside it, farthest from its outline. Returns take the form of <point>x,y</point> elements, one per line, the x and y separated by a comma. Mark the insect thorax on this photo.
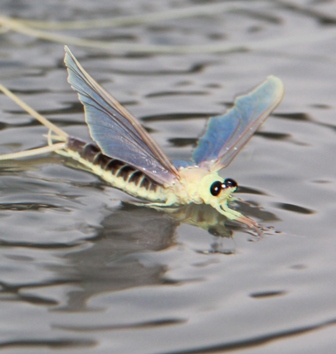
<point>195,186</point>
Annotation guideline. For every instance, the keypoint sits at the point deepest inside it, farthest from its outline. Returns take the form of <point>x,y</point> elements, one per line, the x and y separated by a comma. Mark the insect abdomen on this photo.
<point>117,173</point>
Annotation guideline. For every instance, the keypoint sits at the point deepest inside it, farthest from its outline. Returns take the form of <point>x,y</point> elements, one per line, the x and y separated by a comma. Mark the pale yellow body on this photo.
<point>192,187</point>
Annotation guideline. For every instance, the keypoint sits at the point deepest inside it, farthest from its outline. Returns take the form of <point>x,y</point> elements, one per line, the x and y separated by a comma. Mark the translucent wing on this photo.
<point>227,134</point>
<point>118,134</point>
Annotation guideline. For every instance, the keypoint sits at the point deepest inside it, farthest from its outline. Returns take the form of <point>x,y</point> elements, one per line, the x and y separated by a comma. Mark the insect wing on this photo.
<point>118,134</point>
<point>227,134</point>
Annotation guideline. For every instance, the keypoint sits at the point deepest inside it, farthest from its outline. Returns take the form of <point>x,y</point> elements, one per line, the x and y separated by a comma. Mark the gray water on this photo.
<point>81,271</point>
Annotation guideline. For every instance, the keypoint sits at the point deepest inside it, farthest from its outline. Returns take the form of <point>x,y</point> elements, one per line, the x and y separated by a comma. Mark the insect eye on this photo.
<point>230,183</point>
<point>216,188</point>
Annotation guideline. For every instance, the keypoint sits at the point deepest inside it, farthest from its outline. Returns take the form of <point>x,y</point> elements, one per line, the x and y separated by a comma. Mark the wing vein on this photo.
<point>115,130</point>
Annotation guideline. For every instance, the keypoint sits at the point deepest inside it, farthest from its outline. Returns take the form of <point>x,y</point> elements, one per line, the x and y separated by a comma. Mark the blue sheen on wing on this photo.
<point>227,134</point>
<point>183,164</point>
<point>219,130</point>
<point>114,129</point>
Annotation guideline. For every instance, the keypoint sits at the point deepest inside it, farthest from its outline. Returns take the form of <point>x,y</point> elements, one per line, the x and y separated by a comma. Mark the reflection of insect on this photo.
<point>127,157</point>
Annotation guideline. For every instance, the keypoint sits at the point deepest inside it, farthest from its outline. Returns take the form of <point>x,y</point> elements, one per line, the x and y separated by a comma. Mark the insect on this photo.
<point>125,155</point>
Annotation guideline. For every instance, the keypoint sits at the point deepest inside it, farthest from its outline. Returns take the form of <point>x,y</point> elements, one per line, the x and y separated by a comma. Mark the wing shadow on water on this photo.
<point>115,261</point>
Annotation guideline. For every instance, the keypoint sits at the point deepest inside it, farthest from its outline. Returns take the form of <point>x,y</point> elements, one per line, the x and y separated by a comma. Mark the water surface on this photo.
<point>82,271</point>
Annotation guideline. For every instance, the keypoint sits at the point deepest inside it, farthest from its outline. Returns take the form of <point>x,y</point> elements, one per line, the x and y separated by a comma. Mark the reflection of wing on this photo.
<point>227,134</point>
<point>114,129</point>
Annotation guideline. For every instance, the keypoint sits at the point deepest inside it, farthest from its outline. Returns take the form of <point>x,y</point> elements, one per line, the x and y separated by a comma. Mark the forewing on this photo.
<point>227,134</point>
<point>118,134</point>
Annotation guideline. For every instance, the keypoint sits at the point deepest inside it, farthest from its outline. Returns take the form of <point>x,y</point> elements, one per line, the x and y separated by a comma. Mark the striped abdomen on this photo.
<point>117,173</point>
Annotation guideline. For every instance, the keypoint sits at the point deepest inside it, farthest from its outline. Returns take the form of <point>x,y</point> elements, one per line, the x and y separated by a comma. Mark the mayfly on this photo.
<point>124,154</point>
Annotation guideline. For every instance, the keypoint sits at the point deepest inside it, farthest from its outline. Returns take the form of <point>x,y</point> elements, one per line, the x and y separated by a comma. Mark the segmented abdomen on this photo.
<point>117,173</point>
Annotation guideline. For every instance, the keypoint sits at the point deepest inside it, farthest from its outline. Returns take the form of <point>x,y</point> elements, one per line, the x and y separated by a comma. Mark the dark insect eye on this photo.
<point>215,188</point>
<point>230,183</point>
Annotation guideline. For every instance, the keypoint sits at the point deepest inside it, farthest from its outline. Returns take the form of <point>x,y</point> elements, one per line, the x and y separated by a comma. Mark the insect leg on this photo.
<point>236,216</point>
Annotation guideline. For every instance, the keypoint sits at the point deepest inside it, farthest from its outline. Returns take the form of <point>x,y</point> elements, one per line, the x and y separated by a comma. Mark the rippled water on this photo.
<point>81,271</point>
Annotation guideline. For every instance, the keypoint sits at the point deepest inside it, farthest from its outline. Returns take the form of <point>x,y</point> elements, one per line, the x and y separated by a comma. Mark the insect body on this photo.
<point>125,155</point>
<point>192,186</point>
